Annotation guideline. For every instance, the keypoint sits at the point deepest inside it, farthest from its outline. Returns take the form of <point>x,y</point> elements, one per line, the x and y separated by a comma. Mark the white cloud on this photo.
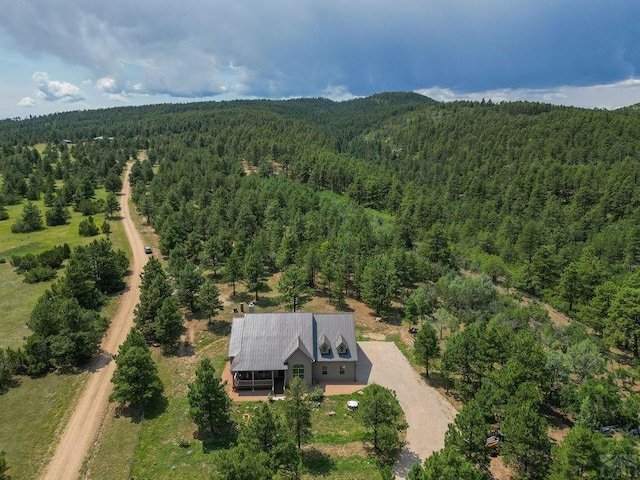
<point>55,90</point>
<point>107,85</point>
<point>118,97</point>
<point>337,93</point>
<point>609,96</point>
<point>27,102</point>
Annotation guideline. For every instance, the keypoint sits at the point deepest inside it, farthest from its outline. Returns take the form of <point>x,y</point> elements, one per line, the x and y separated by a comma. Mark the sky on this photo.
<point>59,55</point>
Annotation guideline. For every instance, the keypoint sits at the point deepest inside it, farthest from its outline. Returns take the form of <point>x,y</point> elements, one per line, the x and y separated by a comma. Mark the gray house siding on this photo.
<point>299,358</point>
<point>333,371</point>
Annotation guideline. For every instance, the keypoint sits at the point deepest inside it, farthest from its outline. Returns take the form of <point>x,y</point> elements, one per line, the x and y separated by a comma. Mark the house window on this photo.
<point>342,348</point>
<point>324,349</point>
<point>343,369</point>
<point>325,370</point>
<point>298,370</point>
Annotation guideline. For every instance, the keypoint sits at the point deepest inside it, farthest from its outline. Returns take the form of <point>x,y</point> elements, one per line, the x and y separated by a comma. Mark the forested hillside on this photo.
<point>545,197</point>
<point>385,199</point>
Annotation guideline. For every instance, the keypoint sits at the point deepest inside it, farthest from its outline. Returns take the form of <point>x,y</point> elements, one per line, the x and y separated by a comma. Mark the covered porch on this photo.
<point>272,380</point>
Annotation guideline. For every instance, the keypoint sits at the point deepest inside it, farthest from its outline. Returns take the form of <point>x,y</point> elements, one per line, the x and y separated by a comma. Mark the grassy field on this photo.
<point>32,413</point>
<point>30,416</point>
<point>18,298</point>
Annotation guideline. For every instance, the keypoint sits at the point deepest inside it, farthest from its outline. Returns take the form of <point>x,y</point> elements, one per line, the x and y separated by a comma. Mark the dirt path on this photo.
<point>91,408</point>
<point>428,413</point>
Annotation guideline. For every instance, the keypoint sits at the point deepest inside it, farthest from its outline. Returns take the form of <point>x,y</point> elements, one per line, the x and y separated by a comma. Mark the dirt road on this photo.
<point>428,413</point>
<point>91,408</point>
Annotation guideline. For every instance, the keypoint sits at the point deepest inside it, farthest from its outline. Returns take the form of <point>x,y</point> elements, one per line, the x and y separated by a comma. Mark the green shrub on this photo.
<point>39,274</point>
<point>317,395</point>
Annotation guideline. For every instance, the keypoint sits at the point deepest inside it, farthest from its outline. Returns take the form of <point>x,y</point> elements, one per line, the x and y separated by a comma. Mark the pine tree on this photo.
<point>426,345</point>
<point>298,410</point>
<point>136,381</point>
<point>168,325</point>
<point>293,287</point>
<point>209,404</point>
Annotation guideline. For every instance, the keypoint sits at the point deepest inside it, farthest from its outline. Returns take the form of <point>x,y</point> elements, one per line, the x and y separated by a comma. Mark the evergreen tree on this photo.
<point>30,221</point>
<point>188,281</point>
<point>111,204</point>
<point>234,269</point>
<point>381,413</point>
<point>527,447</point>
<point>467,435</point>
<point>135,379</point>
<point>209,404</point>
<point>58,214</point>
<point>168,325</point>
<point>155,287</point>
<point>293,287</point>
<point>449,464</point>
<point>379,284</point>
<point>113,182</point>
<point>578,456</point>
<point>254,272</point>
<point>209,299</point>
<point>298,411</point>
<point>426,345</point>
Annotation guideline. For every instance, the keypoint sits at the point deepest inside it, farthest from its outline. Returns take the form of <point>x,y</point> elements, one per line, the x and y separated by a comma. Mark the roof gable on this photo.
<point>298,345</point>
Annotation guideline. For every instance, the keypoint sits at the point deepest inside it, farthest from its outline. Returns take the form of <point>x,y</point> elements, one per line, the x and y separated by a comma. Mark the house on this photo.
<point>267,350</point>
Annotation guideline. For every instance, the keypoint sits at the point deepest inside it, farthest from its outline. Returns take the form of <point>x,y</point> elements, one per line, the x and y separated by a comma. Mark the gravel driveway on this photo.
<point>427,412</point>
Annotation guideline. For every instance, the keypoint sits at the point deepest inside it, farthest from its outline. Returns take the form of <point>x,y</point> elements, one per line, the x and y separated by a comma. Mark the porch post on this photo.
<point>253,383</point>
<point>273,382</point>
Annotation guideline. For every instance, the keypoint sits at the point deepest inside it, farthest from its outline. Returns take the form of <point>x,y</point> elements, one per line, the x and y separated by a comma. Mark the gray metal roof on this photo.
<point>264,341</point>
<point>337,328</point>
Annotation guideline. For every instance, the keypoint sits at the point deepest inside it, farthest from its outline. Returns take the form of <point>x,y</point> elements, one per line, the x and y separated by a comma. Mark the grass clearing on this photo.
<point>33,413</point>
<point>18,298</point>
<point>31,417</point>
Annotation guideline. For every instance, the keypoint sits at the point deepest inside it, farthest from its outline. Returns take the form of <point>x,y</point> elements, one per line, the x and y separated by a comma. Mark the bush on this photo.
<point>39,274</point>
<point>316,396</point>
<point>3,464</point>
<point>88,228</point>
<point>24,263</point>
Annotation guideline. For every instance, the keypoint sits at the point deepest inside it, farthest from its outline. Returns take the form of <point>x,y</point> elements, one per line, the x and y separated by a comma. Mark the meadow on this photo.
<point>33,412</point>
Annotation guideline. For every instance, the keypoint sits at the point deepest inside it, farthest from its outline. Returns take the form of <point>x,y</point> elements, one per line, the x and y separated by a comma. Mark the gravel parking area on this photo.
<point>428,413</point>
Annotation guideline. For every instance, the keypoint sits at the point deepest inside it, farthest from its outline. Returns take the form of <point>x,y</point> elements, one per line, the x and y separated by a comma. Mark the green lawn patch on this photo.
<point>31,417</point>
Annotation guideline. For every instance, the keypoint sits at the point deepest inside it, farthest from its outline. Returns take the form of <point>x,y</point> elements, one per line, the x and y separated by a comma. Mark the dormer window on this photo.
<point>325,346</point>
<point>343,347</point>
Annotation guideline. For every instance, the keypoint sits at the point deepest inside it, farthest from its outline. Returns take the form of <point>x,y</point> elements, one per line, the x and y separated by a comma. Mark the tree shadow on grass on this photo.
<point>221,441</point>
<point>317,463</point>
<point>156,407</point>
<point>219,327</point>
<point>437,380</point>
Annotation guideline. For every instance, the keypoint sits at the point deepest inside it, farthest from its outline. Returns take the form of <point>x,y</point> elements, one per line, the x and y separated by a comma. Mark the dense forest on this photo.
<point>386,199</point>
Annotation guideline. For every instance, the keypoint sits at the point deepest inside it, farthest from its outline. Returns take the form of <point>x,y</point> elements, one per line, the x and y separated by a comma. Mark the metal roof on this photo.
<point>264,341</point>
<point>337,328</point>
